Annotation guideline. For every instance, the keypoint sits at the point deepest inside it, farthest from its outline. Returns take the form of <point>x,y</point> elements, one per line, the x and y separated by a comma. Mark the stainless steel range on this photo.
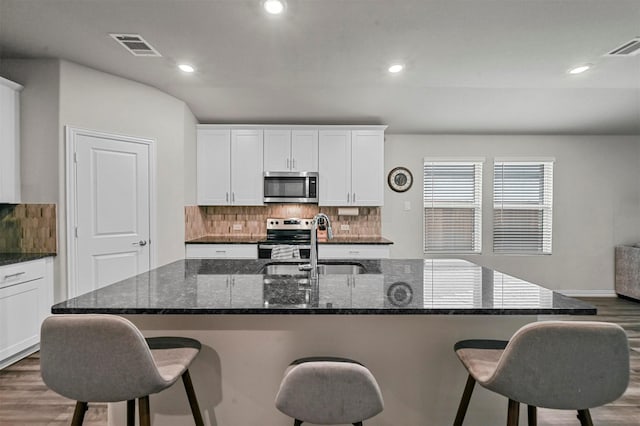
<point>292,231</point>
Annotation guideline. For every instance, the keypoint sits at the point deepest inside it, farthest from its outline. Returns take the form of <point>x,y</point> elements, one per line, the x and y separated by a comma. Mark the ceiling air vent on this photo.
<point>630,48</point>
<point>135,44</point>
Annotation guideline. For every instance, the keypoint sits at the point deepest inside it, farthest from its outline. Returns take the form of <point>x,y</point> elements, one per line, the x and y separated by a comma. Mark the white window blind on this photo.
<point>452,206</point>
<point>522,207</point>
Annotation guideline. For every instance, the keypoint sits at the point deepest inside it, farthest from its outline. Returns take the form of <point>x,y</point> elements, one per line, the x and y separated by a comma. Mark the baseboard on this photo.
<point>20,355</point>
<point>588,293</point>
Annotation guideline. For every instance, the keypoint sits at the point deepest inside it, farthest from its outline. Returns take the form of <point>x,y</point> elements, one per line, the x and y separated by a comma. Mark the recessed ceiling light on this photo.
<point>186,68</point>
<point>274,7</point>
<point>396,68</point>
<point>580,69</point>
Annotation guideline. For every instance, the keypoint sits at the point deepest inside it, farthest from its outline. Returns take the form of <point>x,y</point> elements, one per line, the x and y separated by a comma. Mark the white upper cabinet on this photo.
<point>335,168</point>
<point>246,167</point>
<point>9,141</point>
<point>229,167</point>
<point>290,150</point>
<point>367,168</point>
<point>351,167</point>
<point>214,167</point>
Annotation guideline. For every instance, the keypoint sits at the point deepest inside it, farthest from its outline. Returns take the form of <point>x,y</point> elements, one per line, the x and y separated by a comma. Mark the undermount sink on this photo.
<point>324,268</point>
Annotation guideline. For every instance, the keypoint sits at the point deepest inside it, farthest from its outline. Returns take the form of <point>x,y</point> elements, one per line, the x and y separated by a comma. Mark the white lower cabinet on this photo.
<point>25,300</point>
<point>230,291</point>
<point>221,251</point>
<point>353,251</point>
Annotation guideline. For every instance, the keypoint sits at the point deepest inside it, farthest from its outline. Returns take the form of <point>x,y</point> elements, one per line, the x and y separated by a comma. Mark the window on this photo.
<point>522,206</point>
<point>452,206</point>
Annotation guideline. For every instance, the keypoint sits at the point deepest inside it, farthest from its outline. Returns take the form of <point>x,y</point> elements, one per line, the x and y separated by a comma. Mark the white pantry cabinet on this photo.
<point>287,150</point>
<point>9,141</point>
<point>229,166</point>
<point>351,167</point>
<point>26,296</point>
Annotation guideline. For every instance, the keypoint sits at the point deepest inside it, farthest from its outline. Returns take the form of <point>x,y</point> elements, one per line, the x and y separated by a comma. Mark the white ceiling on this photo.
<point>476,66</point>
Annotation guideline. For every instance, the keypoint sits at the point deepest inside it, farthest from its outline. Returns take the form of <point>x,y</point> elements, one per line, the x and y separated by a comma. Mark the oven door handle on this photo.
<point>270,246</point>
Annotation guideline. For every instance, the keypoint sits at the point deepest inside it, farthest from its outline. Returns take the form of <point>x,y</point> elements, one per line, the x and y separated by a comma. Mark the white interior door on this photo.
<point>112,210</point>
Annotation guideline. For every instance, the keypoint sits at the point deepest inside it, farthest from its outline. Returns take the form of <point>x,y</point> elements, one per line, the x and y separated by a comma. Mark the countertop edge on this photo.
<point>23,257</point>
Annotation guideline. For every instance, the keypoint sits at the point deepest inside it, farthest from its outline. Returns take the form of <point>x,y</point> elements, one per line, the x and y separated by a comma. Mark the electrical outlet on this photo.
<point>237,227</point>
<point>344,227</point>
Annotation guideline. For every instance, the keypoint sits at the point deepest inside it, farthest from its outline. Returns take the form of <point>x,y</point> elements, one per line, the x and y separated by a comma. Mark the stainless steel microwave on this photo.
<point>291,187</point>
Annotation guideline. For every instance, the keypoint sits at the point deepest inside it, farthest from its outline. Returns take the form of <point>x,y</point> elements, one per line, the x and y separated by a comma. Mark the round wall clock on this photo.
<point>400,179</point>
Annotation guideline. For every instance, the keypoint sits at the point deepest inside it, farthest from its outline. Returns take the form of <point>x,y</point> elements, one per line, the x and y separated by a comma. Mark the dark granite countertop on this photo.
<point>387,286</point>
<point>257,239</point>
<point>11,258</point>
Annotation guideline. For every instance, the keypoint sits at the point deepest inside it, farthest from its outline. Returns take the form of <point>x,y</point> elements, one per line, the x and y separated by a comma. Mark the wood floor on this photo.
<point>26,401</point>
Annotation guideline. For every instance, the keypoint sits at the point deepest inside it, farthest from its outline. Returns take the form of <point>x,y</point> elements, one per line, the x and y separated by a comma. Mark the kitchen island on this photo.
<point>398,317</point>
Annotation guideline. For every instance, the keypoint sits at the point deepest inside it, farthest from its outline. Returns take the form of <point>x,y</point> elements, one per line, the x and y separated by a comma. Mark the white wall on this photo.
<point>58,94</point>
<point>586,227</point>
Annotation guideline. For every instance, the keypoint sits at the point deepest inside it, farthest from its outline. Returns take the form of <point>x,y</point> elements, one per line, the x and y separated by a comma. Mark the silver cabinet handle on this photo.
<point>294,163</point>
<point>16,275</point>
<point>354,197</point>
<point>354,252</point>
<point>226,197</point>
<point>233,197</point>
<point>287,163</point>
<point>221,251</point>
<point>140,243</point>
<point>348,197</point>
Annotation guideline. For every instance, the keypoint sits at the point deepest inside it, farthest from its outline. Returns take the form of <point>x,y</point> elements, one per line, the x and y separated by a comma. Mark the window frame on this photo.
<point>545,206</point>
<point>475,206</point>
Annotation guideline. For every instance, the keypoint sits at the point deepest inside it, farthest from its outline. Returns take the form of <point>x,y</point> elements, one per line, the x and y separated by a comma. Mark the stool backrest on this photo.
<point>97,358</point>
<point>564,365</point>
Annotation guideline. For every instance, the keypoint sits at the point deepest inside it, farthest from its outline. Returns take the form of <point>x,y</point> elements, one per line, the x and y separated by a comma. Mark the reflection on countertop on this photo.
<point>256,239</point>
<point>388,286</point>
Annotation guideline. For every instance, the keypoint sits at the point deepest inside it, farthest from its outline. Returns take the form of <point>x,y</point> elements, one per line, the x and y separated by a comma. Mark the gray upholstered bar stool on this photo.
<point>329,391</point>
<point>553,364</point>
<point>105,358</point>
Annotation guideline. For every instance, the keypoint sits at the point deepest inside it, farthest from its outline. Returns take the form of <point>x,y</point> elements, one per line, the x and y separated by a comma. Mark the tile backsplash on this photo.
<point>203,221</point>
<point>28,228</point>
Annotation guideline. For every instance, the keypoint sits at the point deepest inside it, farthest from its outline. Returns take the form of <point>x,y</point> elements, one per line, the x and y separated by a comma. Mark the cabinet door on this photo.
<point>21,314</point>
<point>304,150</point>
<point>334,291</point>
<point>367,291</point>
<point>214,167</point>
<point>334,164</point>
<point>367,168</point>
<point>247,291</point>
<point>213,291</point>
<point>246,168</point>
<point>9,145</point>
<point>277,150</point>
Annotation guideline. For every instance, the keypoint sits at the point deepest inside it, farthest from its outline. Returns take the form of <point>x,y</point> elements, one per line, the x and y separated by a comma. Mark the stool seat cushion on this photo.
<point>480,357</point>
<point>173,355</point>
<point>329,392</point>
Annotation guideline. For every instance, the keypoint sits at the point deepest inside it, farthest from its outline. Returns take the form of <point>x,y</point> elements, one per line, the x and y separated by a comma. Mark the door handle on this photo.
<point>140,243</point>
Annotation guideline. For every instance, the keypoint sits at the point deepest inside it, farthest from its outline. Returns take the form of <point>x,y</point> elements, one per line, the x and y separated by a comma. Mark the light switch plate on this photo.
<point>407,205</point>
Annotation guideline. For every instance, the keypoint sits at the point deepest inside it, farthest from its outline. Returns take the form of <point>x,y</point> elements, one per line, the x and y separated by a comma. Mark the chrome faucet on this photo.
<point>312,266</point>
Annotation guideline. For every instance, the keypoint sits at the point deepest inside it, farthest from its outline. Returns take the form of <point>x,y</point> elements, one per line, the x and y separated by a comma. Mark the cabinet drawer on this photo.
<point>355,251</point>
<point>21,272</point>
<point>221,251</point>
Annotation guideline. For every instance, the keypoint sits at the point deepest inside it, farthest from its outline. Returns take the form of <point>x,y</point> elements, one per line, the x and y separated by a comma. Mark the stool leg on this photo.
<point>131,412</point>
<point>357,424</point>
<point>585,418</point>
<point>532,415</point>
<point>78,413</point>
<point>193,401</point>
<point>513,413</point>
<point>464,402</point>
<point>143,408</point>
<point>297,422</point>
